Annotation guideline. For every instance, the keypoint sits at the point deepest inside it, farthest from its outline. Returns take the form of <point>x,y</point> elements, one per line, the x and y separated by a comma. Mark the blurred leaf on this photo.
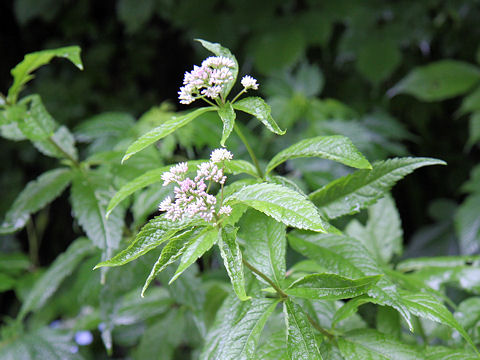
<point>337,148</point>
<point>227,114</point>
<point>467,225</point>
<point>275,348</point>
<point>34,197</point>
<point>6,282</point>
<point>353,192</point>
<point>438,81</point>
<point>471,102</point>
<point>474,129</point>
<point>133,14</point>
<point>444,353</point>
<point>37,124</point>
<point>62,138</point>
<point>103,125</point>
<point>26,10</point>
<point>257,107</point>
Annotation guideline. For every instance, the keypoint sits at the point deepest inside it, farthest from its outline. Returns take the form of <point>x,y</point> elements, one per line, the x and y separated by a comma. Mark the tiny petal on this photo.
<point>219,155</point>
<point>225,210</point>
<point>249,82</point>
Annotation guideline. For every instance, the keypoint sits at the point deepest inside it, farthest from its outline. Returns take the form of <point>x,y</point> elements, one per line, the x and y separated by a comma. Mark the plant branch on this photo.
<point>319,328</point>
<point>266,278</point>
<point>32,242</point>
<point>249,149</point>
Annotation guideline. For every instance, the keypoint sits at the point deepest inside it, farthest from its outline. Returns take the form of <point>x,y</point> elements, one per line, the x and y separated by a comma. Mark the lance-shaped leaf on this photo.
<point>163,130</point>
<point>227,114</point>
<point>301,342</point>
<point>438,81</point>
<point>265,244</point>
<point>219,50</point>
<point>37,124</point>
<point>337,148</point>
<point>351,193</point>
<point>351,307</point>
<point>367,344</point>
<point>195,250</point>
<point>283,204</point>
<point>152,235</point>
<point>172,251</point>
<point>257,107</point>
<point>22,72</point>
<point>232,258</point>
<point>35,196</point>
<point>330,286</point>
<point>426,306</point>
<point>61,268</point>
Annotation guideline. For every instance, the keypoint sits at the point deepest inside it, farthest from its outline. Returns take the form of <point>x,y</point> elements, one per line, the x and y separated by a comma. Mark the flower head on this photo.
<point>249,82</point>
<point>219,155</point>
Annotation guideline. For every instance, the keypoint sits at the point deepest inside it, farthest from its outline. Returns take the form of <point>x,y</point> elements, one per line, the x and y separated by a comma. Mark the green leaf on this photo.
<point>265,244</point>
<point>89,197</point>
<point>388,322</point>
<point>301,343</point>
<point>468,316</point>
<point>227,114</point>
<point>438,81</point>
<point>351,307</point>
<point>369,344</point>
<point>163,130</point>
<point>471,102</point>
<point>172,251</point>
<point>35,196</point>
<point>60,269</point>
<point>444,353</point>
<point>257,107</point>
<point>195,250</point>
<point>467,225</point>
<point>426,306</point>
<point>152,235</point>
<point>383,234</point>
<point>275,348</point>
<point>134,15</point>
<point>37,124</point>
<point>283,204</point>
<point>351,193</point>
<point>420,263</point>
<point>473,129</point>
<point>330,286</point>
<point>236,167</point>
<point>219,50</point>
<point>232,259</point>
<point>63,139</point>
<point>22,72</point>
<point>336,147</point>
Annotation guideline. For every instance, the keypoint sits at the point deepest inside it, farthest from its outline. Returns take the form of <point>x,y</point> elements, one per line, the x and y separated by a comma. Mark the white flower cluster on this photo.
<point>206,80</point>
<point>191,196</point>
<point>249,82</point>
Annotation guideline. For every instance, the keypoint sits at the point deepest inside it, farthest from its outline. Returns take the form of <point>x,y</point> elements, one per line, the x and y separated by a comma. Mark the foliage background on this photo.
<point>135,54</point>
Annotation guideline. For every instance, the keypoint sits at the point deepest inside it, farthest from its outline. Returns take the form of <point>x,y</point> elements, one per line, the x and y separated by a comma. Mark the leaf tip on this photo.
<point>125,158</point>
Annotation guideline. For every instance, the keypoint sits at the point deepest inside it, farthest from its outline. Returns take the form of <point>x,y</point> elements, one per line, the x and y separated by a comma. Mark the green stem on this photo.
<point>249,149</point>
<point>32,242</point>
<point>238,95</point>
<point>208,102</point>
<point>64,153</point>
<point>319,328</point>
<point>266,278</point>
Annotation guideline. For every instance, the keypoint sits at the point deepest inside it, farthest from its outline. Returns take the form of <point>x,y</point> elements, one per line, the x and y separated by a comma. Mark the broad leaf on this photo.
<point>301,342</point>
<point>236,167</point>
<point>195,250</point>
<point>227,114</point>
<point>37,124</point>
<point>275,348</point>
<point>60,145</point>
<point>232,259</point>
<point>438,81</point>
<point>356,191</point>
<point>436,262</point>
<point>369,344</point>
<point>219,50</point>
<point>444,353</point>
<point>163,130</point>
<point>265,244</point>
<point>22,72</point>
<point>153,234</point>
<point>467,225</point>
<point>335,147</point>
<point>261,110</point>
<point>330,286</point>
<point>172,251</point>
<point>35,196</point>
<point>283,204</point>
<point>61,268</point>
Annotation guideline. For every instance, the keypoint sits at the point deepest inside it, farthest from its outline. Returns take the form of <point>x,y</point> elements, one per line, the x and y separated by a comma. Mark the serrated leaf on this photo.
<point>61,138</point>
<point>265,244</point>
<point>60,269</point>
<point>195,250</point>
<point>435,262</point>
<point>301,342</point>
<point>330,286</point>
<point>438,81</point>
<point>22,72</point>
<point>172,251</point>
<point>283,204</point>
<point>467,225</point>
<point>444,353</point>
<point>369,344</point>
<point>232,259</point>
<point>219,50</point>
<point>351,193</point>
<point>37,124</point>
<point>163,130</point>
<point>152,235</point>
<point>35,196</point>
<point>257,107</point>
<point>336,147</point>
<point>227,114</point>
<point>236,167</point>
<point>426,306</point>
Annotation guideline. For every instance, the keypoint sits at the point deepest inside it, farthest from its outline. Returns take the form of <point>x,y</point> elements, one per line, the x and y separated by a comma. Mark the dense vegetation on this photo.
<point>304,247</point>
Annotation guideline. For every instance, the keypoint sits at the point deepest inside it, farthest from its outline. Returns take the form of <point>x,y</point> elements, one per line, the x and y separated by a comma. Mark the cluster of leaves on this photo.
<point>345,294</point>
